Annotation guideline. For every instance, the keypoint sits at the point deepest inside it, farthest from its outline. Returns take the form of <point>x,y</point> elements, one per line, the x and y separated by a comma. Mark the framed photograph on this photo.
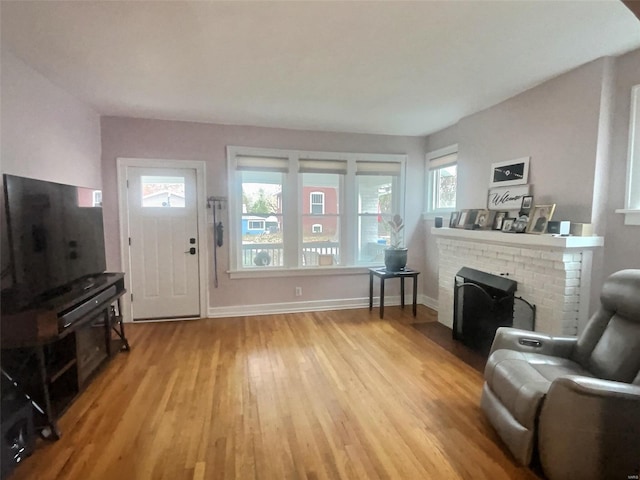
<point>490,219</point>
<point>471,219</point>
<point>453,220</point>
<point>507,223</point>
<point>499,218</point>
<point>507,198</point>
<point>462,218</point>
<point>510,172</point>
<point>527,203</point>
<point>539,218</point>
<point>484,219</point>
<point>521,223</point>
<point>466,218</point>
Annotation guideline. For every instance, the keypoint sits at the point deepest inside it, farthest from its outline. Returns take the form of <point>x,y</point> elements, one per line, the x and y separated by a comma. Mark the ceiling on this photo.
<point>400,68</point>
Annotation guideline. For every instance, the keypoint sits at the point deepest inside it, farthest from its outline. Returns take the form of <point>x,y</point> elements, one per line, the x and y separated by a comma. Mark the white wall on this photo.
<point>556,124</point>
<point>574,127</point>
<point>139,138</point>
<point>622,242</point>
<point>46,133</point>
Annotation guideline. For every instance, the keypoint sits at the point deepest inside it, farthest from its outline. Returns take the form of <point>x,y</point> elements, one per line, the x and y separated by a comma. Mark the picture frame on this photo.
<point>471,220</point>
<point>453,219</point>
<point>527,204</point>
<point>540,217</point>
<point>484,219</point>
<point>521,224</point>
<point>499,218</point>
<point>507,198</point>
<point>510,172</point>
<point>467,218</point>
<point>507,224</point>
<point>462,218</point>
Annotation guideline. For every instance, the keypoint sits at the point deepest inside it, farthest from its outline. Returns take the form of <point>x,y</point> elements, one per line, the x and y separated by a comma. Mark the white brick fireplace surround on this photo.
<point>553,273</point>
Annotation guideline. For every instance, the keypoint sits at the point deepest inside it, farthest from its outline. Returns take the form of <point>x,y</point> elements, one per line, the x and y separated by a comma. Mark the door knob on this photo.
<point>191,251</point>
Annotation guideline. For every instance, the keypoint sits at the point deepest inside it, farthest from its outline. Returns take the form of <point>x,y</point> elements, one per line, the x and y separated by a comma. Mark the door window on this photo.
<point>166,192</point>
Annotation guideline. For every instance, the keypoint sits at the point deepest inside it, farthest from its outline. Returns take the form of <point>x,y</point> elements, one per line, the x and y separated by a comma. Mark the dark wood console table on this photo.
<point>383,274</point>
<point>51,350</point>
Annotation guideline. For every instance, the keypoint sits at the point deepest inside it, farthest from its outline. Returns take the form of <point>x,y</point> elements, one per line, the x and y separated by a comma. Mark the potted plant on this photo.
<point>395,257</point>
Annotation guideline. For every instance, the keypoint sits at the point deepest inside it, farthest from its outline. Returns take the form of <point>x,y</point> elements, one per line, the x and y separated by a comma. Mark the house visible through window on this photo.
<point>160,191</point>
<point>260,216</point>
<point>291,207</point>
<point>322,183</point>
<point>442,180</point>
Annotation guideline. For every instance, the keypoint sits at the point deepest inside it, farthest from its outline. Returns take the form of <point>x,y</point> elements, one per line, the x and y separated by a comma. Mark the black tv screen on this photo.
<point>52,240</point>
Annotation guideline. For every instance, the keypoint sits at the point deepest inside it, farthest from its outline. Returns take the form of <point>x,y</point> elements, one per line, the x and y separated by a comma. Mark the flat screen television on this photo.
<point>52,240</point>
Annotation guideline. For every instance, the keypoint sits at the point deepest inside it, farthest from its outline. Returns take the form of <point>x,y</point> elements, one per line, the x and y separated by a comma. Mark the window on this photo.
<point>256,225</point>
<point>97,198</point>
<point>632,198</point>
<point>313,205</point>
<point>160,191</point>
<point>377,186</point>
<point>261,217</point>
<point>322,186</point>
<point>317,203</point>
<point>442,180</point>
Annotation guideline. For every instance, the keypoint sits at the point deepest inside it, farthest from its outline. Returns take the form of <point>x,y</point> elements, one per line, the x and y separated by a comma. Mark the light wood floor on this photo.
<point>324,395</point>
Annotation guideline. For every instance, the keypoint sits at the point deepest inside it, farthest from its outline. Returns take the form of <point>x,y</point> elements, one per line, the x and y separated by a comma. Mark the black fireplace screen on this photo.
<point>484,302</point>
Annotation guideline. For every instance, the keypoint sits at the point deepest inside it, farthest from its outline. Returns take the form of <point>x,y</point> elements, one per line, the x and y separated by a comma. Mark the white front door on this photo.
<point>163,242</point>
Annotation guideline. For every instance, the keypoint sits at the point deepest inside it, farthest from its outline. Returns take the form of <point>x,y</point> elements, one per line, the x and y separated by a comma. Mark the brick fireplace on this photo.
<point>554,273</point>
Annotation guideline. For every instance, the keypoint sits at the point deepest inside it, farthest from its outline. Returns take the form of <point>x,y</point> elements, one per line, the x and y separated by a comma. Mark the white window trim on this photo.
<point>313,228</point>
<point>430,213</point>
<point>293,221</point>
<point>632,215</point>
<point>270,272</point>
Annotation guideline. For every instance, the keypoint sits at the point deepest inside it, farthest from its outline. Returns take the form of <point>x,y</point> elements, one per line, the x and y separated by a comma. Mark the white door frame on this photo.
<point>123,210</point>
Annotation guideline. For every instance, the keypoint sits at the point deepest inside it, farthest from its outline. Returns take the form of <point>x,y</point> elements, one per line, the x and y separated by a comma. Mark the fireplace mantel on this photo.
<point>528,240</point>
<point>553,273</point>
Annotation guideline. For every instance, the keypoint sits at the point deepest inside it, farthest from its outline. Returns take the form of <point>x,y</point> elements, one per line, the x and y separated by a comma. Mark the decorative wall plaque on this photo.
<point>507,198</point>
<point>510,172</point>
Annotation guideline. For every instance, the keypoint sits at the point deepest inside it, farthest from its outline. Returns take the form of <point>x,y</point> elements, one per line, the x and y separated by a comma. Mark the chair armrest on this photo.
<point>532,342</point>
<point>590,429</point>
<point>605,391</point>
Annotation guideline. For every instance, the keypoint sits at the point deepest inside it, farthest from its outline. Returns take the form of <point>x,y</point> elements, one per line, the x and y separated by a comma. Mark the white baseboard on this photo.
<point>312,306</point>
<point>432,303</point>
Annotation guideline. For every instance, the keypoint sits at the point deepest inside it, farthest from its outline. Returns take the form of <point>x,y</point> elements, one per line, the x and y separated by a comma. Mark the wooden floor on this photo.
<point>323,395</point>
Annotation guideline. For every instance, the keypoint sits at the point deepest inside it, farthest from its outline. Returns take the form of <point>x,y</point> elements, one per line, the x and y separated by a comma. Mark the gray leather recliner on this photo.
<point>579,398</point>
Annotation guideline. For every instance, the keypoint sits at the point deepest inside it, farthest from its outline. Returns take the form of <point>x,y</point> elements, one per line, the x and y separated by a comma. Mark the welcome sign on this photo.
<point>507,198</point>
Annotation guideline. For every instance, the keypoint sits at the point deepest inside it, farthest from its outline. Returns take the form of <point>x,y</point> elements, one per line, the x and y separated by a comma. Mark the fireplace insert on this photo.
<point>483,302</point>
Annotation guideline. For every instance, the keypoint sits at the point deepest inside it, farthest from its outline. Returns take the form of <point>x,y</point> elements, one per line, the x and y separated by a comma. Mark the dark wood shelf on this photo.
<point>55,351</point>
<point>61,370</point>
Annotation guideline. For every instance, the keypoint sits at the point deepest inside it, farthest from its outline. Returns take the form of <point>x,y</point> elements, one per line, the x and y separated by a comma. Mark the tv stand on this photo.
<point>52,350</point>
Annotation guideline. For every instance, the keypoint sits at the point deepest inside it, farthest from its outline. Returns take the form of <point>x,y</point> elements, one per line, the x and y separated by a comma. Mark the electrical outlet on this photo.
<point>298,291</point>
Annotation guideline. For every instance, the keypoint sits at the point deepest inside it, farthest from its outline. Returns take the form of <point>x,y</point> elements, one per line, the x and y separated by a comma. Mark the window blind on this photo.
<point>444,161</point>
<point>378,168</point>
<point>264,164</point>
<point>307,165</point>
